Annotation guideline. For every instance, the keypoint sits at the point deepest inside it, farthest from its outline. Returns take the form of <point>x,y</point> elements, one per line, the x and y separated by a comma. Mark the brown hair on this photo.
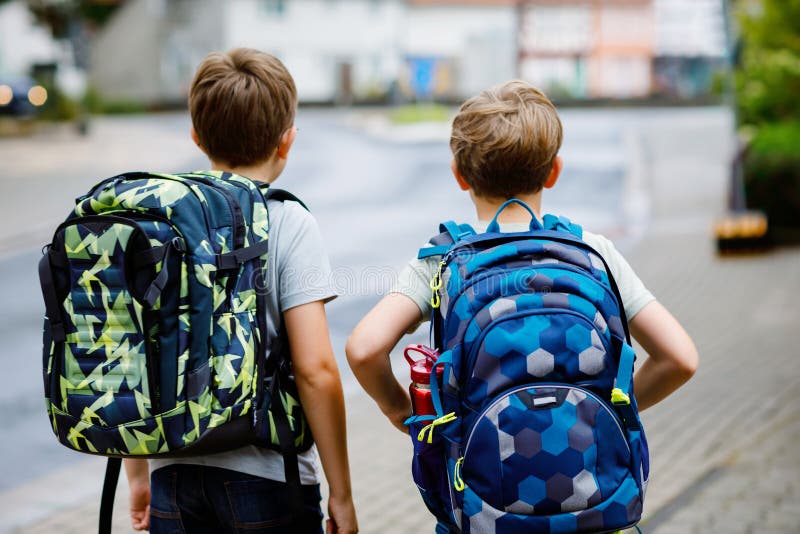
<point>241,104</point>
<point>506,139</point>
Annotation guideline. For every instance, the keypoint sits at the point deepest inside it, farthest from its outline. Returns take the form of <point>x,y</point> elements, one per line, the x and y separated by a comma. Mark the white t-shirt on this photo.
<point>299,269</point>
<point>414,280</point>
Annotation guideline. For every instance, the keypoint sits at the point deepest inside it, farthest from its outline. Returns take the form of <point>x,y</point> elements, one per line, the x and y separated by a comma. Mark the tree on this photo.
<point>768,77</point>
<point>768,85</point>
<point>56,14</point>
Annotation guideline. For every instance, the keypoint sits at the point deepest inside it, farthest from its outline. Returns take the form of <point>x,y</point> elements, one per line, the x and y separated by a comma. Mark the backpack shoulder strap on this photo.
<point>450,234</point>
<point>281,195</point>
<point>279,371</point>
<point>559,223</point>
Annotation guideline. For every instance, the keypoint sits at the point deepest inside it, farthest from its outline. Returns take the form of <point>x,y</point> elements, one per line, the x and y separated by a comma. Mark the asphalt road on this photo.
<point>378,192</point>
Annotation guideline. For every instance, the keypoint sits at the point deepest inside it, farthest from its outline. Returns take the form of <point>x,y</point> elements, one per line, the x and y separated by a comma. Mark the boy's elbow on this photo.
<point>321,375</point>
<point>359,351</point>
<point>686,365</point>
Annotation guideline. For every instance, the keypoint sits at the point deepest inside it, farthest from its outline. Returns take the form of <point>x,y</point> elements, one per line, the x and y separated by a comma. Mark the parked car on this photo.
<point>20,97</point>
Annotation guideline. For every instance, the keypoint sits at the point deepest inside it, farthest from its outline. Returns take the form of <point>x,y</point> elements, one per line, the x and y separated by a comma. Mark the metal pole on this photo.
<point>736,200</point>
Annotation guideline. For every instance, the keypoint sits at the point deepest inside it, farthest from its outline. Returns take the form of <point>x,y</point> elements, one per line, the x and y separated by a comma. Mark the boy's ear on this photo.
<point>196,139</point>
<point>555,172</point>
<point>461,182</point>
<point>286,142</point>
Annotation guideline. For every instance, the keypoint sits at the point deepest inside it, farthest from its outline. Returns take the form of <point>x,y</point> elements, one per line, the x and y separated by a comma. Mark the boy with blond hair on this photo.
<point>243,106</point>
<point>505,144</point>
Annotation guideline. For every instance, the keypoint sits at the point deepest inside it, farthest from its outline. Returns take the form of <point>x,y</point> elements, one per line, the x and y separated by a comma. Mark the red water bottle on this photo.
<point>420,388</point>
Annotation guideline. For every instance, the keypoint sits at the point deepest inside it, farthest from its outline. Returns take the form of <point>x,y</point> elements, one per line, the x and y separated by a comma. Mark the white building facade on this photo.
<point>337,50</point>
<point>344,51</point>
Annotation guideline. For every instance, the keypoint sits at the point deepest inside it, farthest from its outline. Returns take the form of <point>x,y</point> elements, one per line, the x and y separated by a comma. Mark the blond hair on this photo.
<point>241,103</point>
<point>505,140</point>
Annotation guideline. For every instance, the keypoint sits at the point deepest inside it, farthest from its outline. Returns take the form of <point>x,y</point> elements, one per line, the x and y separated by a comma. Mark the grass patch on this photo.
<point>415,113</point>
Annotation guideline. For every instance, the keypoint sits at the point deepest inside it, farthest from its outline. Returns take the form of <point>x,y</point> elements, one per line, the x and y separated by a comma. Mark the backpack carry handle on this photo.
<point>494,226</point>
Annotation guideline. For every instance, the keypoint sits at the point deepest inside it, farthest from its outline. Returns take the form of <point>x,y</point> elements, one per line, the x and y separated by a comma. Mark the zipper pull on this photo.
<point>436,285</point>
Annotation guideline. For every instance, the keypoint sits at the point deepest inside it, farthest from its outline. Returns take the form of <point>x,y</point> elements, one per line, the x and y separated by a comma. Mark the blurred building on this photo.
<point>456,48</point>
<point>588,48</point>
<point>690,46</point>
<point>336,50</point>
<point>622,48</point>
<point>148,50</point>
<point>23,43</point>
<point>372,50</point>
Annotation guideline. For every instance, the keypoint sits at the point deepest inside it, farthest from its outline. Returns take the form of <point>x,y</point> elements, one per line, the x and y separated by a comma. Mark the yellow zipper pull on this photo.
<point>458,482</point>
<point>428,429</point>
<point>436,285</point>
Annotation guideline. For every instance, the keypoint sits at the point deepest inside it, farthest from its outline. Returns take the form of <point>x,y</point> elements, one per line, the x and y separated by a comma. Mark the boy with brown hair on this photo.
<point>505,143</point>
<point>243,105</point>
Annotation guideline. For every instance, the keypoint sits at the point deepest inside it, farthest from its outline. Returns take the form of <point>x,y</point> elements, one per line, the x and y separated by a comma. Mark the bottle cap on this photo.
<point>421,368</point>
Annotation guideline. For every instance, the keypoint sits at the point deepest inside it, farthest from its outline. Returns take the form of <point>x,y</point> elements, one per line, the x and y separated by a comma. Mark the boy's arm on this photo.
<point>672,355</point>
<point>139,483</point>
<point>320,390</point>
<point>368,351</point>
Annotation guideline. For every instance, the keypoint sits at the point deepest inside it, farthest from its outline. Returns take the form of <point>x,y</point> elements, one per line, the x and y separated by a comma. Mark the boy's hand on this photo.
<point>140,506</point>
<point>342,514</point>
<point>139,484</point>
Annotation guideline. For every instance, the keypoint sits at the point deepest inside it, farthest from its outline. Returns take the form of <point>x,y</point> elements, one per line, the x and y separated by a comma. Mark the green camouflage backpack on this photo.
<point>155,331</point>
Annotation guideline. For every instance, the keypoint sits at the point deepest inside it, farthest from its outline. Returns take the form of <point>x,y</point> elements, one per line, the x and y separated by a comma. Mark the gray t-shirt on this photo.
<point>299,269</point>
<point>414,280</point>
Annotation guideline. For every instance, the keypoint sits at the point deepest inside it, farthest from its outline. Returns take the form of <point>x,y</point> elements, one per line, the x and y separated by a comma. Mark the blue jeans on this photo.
<point>196,499</point>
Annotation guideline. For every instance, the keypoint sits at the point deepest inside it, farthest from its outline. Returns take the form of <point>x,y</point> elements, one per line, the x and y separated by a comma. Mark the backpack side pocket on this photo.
<point>429,469</point>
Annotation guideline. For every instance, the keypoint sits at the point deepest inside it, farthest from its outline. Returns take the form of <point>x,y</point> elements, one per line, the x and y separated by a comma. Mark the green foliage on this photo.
<point>96,104</point>
<point>772,173</point>
<point>768,77</point>
<point>59,107</point>
<point>772,24</point>
<point>768,90</point>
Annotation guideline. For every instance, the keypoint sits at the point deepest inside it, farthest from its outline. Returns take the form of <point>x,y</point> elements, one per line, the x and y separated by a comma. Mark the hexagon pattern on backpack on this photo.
<point>532,332</point>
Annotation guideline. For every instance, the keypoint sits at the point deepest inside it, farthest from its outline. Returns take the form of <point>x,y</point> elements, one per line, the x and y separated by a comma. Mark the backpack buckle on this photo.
<point>622,402</point>
<point>619,398</point>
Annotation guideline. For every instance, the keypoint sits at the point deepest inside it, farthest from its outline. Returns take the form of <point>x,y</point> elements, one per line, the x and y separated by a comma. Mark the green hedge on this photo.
<point>772,173</point>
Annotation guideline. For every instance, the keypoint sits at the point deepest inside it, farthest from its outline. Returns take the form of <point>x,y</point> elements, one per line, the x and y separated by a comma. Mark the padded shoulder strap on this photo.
<point>559,223</point>
<point>281,195</point>
<point>450,234</point>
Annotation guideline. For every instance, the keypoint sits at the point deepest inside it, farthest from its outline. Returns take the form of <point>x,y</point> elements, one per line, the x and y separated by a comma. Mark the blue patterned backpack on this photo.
<point>536,427</point>
<point>155,339</point>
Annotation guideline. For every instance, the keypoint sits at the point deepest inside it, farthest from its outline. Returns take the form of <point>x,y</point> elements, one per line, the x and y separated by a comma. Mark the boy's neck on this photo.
<point>486,208</point>
<point>266,172</point>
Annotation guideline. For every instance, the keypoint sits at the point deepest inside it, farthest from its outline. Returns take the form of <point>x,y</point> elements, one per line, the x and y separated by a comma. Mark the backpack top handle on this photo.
<point>494,226</point>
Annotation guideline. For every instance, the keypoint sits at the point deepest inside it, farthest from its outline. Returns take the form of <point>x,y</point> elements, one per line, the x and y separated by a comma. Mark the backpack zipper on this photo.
<point>476,345</point>
<point>517,389</point>
<point>500,270</point>
<point>546,235</point>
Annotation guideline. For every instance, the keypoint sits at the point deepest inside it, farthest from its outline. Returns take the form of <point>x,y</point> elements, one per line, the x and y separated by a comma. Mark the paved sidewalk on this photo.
<point>724,449</point>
